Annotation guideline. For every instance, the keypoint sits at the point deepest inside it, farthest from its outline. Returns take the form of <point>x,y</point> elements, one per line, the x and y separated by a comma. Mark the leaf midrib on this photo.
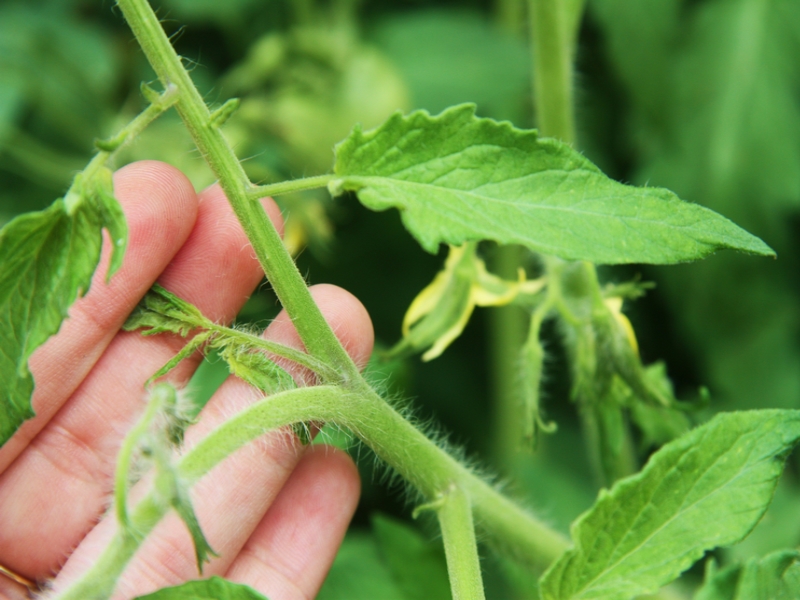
<point>367,179</point>
<point>683,509</point>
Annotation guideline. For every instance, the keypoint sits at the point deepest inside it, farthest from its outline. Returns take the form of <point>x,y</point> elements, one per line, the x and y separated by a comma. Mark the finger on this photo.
<point>292,549</point>
<point>74,456</point>
<point>232,499</point>
<point>160,207</point>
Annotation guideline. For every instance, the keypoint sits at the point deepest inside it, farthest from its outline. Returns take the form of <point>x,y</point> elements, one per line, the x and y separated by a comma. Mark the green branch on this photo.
<point>419,460</point>
<point>429,468</point>
<point>204,128</point>
<point>155,404</point>
<point>159,103</point>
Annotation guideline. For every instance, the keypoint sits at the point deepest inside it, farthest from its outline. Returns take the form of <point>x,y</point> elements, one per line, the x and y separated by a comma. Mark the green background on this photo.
<point>701,97</point>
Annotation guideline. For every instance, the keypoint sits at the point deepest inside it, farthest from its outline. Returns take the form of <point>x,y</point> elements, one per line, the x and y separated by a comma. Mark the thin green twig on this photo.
<point>287,187</point>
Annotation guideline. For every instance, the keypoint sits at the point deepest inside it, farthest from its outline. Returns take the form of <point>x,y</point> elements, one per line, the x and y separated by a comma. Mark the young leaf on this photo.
<point>48,258</point>
<point>215,587</point>
<point>183,506</point>
<point>163,312</point>
<point>774,577</point>
<point>256,369</point>
<point>456,178</point>
<point>706,489</point>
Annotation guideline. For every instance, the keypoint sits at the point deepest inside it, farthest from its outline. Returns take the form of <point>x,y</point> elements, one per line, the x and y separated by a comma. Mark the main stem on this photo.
<point>552,47</point>
<point>278,265</point>
<point>506,327</point>
<point>552,37</point>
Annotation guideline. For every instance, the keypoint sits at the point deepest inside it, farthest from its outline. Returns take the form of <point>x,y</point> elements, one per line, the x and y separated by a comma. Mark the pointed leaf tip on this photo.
<point>706,489</point>
<point>456,177</point>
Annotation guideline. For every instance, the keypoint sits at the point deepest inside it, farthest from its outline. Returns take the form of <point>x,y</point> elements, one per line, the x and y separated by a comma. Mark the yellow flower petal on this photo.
<point>426,300</point>
<point>430,296</point>
<point>447,338</point>
<point>489,289</point>
<point>614,304</point>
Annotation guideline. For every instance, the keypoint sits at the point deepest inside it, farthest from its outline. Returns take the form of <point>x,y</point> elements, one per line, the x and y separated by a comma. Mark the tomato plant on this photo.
<point>525,222</point>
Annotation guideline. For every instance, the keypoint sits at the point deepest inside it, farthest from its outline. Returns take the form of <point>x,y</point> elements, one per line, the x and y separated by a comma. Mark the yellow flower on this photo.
<point>439,313</point>
<point>614,304</point>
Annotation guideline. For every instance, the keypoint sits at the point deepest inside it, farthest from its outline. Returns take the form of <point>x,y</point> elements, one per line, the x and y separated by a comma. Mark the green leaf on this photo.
<point>720,124</point>
<point>417,566</point>
<point>215,588</point>
<point>774,577</point>
<point>358,573</point>
<point>256,368</point>
<point>48,259</point>
<point>161,311</point>
<point>456,178</point>
<point>778,529</point>
<point>658,424</point>
<point>183,506</point>
<point>706,489</point>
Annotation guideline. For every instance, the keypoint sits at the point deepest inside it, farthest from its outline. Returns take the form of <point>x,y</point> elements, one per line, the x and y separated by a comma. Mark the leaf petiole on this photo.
<point>159,103</point>
<point>287,187</point>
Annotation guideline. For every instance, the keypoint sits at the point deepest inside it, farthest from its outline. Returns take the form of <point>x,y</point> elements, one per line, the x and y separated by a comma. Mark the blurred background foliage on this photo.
<point>700,96</point>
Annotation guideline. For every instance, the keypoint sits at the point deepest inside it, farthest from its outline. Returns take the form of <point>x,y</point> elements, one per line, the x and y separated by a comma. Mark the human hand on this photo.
<point>275,511</point>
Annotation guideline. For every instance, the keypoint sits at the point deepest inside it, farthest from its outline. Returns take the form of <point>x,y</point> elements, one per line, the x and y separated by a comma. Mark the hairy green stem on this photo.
<point>419,460</point>
<point>554,25</point>
<point>100,580</point>
<point>607,437</point>
<point>430,469</point>
<point>287,187</point>
<point>460,546</point>
<point>552,50</point>
<point>155,404</point>
<point>278,265</point>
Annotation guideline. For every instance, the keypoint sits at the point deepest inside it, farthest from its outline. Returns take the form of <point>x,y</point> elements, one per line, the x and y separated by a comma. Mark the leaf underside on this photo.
<point>48,258</point>
<point>706,489</point>
<point>456,177</point>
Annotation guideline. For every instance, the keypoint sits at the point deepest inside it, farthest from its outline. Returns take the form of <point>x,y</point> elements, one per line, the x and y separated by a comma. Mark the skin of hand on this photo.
<point>275,511</point>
